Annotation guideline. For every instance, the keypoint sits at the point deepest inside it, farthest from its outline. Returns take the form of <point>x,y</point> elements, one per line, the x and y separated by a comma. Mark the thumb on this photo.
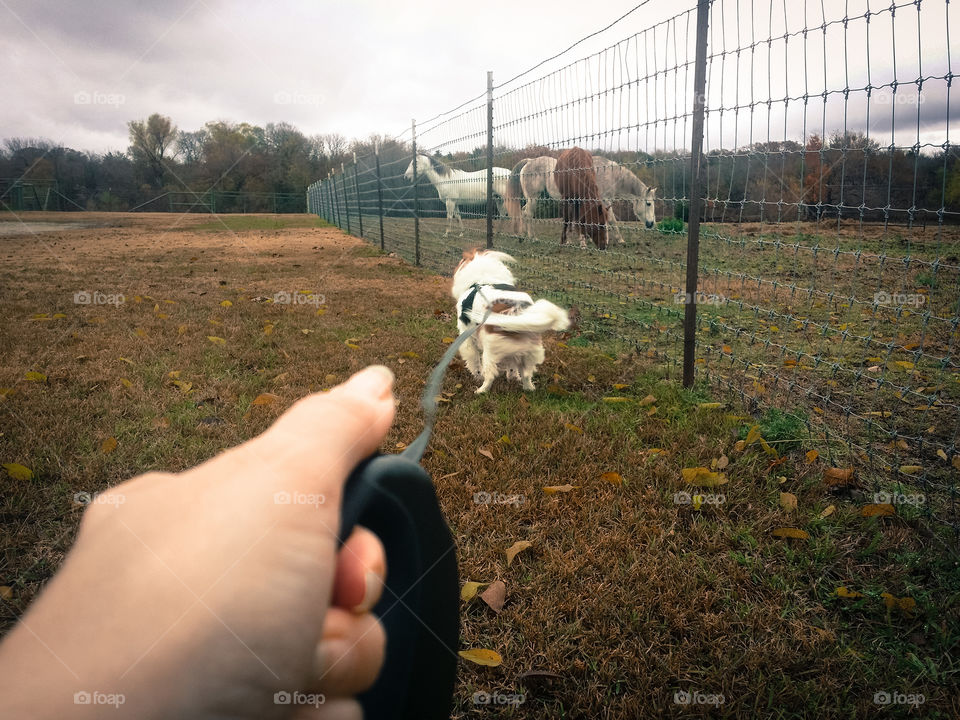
<point>315,444</point>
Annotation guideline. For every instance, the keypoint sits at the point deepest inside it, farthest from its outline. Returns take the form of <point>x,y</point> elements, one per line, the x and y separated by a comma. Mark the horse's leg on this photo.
<point>451,211</point>
<point>612,221</point>
<point>528,214</point>
<point>456,213</point>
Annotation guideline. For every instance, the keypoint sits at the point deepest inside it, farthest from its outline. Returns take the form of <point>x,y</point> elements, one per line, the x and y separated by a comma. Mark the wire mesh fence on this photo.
<point>827,190</point>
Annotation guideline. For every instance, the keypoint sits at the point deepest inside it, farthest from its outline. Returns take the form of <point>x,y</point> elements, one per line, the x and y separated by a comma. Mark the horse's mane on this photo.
<point>438,167</point>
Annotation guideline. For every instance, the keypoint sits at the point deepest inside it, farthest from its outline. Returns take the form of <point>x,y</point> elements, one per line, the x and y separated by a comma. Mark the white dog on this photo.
<point>509,340</point>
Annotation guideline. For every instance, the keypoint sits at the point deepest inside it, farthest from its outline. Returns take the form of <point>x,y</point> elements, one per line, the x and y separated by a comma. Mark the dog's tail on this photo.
<point>541,316</point>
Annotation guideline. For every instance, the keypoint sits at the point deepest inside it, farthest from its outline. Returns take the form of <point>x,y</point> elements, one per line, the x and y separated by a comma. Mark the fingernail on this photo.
<point>372,587</point>
<point>376,380</point>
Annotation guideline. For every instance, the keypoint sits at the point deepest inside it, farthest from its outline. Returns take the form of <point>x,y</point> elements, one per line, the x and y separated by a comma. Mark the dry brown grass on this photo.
<point>624,596</point>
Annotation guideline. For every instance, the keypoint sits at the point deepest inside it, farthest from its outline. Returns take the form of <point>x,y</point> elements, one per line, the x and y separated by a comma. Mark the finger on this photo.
<point>332,709</point>
<point>315,444</point>
<point>350,653</point>
<point>361,570</point>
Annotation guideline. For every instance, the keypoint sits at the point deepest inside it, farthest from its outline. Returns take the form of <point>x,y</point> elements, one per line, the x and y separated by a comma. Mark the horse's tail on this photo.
<point>512,197</point>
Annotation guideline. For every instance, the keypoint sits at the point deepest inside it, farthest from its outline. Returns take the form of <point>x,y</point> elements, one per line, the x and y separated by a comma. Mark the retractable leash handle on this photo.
<point>393,496</point>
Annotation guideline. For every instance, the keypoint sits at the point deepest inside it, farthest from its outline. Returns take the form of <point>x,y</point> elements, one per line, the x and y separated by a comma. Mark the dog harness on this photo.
<point>467,305</point>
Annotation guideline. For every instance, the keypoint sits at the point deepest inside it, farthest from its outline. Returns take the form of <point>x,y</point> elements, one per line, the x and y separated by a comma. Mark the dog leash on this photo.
<point>394,497</point>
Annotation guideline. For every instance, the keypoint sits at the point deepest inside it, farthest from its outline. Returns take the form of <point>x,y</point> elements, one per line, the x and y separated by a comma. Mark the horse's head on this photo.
<point>643,207</point>
<point>594,222</point>
<point>425,164</point>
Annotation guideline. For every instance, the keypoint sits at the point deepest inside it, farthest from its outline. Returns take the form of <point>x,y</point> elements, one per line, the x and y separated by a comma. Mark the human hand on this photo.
<point>205,593</point>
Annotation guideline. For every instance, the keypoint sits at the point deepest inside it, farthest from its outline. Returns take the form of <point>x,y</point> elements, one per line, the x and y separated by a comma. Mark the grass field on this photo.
<point>626,597</point>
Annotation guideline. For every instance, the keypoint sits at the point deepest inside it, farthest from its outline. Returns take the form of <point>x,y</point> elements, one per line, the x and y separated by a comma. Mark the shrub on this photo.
<point>670,225</point>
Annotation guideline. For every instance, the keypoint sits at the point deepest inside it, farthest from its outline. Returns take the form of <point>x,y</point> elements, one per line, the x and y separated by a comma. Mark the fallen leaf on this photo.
<point>612,478</point>
<point>703,477</point>
<point>739,445</point>
<point>185,387</point>
<point>216,340</point>
<point>828,511</point>
<point>554,489</point>
<point>911,469</point>
<point>505,439</point>
<point>710,406</point>
<point>18,471</point>
<point>573,427</point>
<point>486,453</point>
<point>648,400</point>
<point>495,595</point>
<point>812,455</point>
<point>6,592</point>
<point>842,592</point>
<point>265,399</point>
<point>481,656</point>
<point>446,340</point>
<point>469,590</point>
<point>788,501</point>
<point>268,329</point>
<point>108,445</point>
<point>838,476</point>
<point>226,303</point>
<point>878,510</point>
<point>941,454</point>
<point>722,462</point>
<point>126,383</point>
<point>791,533</point>
<point>517,547</point>
<point>752,435</point>
<point>616,399</point>
<point>591,378</point>
<point>36,377</point>
<point>352,346</point>
<point>620,386</point>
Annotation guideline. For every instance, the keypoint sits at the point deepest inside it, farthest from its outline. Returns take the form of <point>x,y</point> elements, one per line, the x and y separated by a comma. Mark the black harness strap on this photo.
<point>468,300</point>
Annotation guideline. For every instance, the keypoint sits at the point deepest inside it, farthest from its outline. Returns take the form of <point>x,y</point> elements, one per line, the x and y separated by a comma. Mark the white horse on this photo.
<point>530,177</point>
<point>454,185</point>
<point>617,183</point>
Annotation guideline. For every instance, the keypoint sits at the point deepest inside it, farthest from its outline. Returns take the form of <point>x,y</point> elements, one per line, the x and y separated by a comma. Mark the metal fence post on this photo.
<point>489,159</point>
<point>335,193</point>
<point>356,189</point>
<point>346,203</point>
<point>696,201</point>
<point>416,204</point>
<point>379,197</point>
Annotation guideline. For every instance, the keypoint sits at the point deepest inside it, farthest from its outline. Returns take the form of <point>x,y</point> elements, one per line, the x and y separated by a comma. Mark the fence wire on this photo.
<point>829,243</point>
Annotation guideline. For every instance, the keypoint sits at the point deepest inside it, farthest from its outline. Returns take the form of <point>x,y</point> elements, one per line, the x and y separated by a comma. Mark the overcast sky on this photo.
<point>76,72</point>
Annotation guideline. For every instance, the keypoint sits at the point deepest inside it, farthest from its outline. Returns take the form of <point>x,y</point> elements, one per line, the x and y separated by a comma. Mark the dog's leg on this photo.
<point>489,369</point>
<point>528,367</point>
<point>471,357</point>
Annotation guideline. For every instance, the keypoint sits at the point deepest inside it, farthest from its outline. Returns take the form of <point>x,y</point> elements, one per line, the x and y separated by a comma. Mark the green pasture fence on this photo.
<point>20,195</point>
<point>805,254</point>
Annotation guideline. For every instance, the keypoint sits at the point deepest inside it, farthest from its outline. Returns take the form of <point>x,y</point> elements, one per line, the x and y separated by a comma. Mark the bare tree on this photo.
<point>150,141</point>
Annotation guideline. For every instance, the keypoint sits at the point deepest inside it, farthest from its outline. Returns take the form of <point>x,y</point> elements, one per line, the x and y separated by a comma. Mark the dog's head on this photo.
<point>481,267</point>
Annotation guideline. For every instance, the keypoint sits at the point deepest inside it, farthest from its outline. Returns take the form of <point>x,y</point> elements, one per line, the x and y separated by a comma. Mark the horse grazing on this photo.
<point>616,183</point>
<point>530,177</point>
<point>581,204</point>
<point>455,185</point>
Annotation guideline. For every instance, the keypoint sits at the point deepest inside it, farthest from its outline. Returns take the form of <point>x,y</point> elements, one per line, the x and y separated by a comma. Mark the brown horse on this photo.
<point>581,203</point>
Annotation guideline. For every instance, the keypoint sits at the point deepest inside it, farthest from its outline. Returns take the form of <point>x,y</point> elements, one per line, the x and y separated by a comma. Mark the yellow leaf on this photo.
<point>185,387</point>
<point>842,592</point>
<point>265,399</point>
<point>216,340</point>
<point>753,435</point>
<point>409,354</point>
<point>108,445</point>
<point>788,501</point>
<point>352,346</point>
<point>812,455</point>
<point>226,303</point>
<point>774,328</point>
<point>162,316</point>
<point>612,478</point>
<point>941,454</point>
<point>517,547</point>
<point>620,386</point>
<point>18,471</point>
<point>710,406</point>
<point>703,477</point>
<point>591,378</point>
<point>911,469</point>
<point>575,429</point>
<point>126,383</point>
<point>903,364</point>
<point>828,511</point>
<point>791,533</point>
<point>616,399</point>
<point>727,349</point>
<point>554,489</point>
<point>321,311</point>
<point>505,439</point>
<point>58,316</point>
<point>446,340</point>
<point>140,332</point>
<point>766,448</point>
<point>648,400</point>
<point>739,445</point>
<point>878,510</point>
<point>174,374</point>
<point>37,377</point>
<point>481,656</point>
<point>181,329</point>
<point>469,590</point>
<point>268,329</point>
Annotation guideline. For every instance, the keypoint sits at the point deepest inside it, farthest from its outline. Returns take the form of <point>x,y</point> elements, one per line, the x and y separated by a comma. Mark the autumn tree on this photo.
<point>150,142</point>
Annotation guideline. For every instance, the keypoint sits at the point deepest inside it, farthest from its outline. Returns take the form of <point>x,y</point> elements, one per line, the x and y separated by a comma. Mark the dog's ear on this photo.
<point>469,254</point>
